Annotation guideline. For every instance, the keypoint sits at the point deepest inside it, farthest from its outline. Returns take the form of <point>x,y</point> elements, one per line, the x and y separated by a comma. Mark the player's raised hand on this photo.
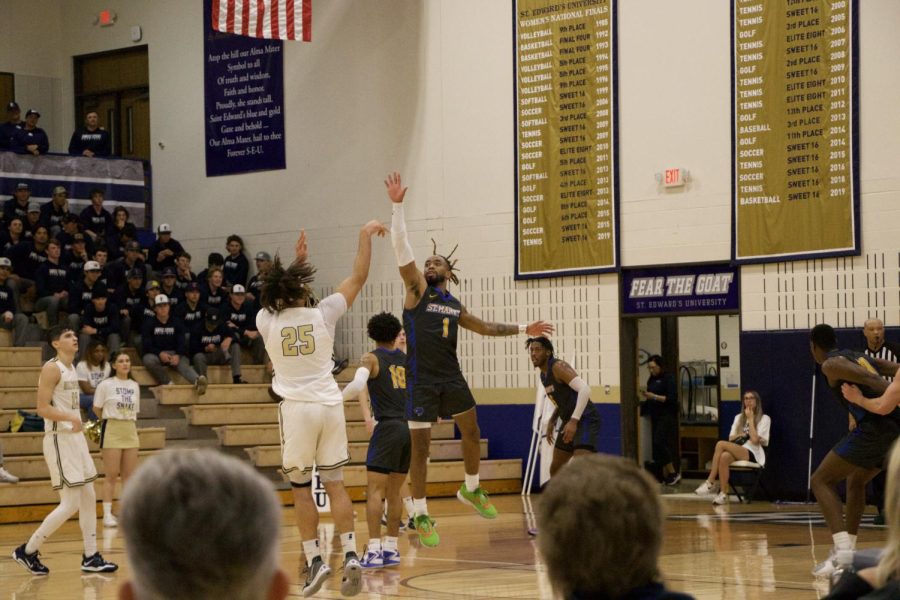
<point>539,328</point>
<point>375,228</point>
<point>395,189</point>
<point>301,251</point>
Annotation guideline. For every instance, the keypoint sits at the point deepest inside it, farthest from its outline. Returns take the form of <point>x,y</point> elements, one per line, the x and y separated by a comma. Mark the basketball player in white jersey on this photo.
<point>71,467</point>
<point>299,339</point>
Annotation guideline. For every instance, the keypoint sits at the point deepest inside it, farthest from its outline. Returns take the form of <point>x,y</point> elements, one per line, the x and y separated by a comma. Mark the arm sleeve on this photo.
<point>356,386</point>
<point>584,395</point>
<point>402,249</point>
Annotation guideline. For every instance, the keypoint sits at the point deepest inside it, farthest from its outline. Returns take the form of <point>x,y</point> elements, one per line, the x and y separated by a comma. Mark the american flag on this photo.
<point>270,19</point>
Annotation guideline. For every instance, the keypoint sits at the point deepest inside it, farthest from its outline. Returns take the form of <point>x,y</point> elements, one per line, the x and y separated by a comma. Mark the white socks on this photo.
<point>842,541</point>
<point>420,507</point>
<point>472,482</point>
<point>348,542</point>
<point>107,509</point>
<point>410,508</point>
<point>390,543</point>
<point>311,550</point>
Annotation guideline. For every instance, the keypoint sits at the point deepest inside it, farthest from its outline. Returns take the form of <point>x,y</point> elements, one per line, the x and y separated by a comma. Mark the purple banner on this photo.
<point>244,101</point>
<point>688,289</point>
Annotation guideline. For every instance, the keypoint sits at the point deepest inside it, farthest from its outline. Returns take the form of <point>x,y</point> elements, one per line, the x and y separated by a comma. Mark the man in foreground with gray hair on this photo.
<point>201,525</point>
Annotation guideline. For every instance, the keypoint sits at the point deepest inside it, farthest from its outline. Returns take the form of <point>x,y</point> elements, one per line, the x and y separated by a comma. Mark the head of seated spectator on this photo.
<point>34,215</point>
<point>40,235</point>
<point>70,224</point>
<point>60,198</point>
<point>92,271</point>
<point>134,278</point>
<point>214,260</point>
<point>211,532</point>
<point>101,255</point>
<point>214,278</point>
<point>14,231</point>
<point>234,244</point>
<point>601,527</point>
<point>13,113</point>
<point>133,252</point>
<point>22,194</point>
<point>152,290</point>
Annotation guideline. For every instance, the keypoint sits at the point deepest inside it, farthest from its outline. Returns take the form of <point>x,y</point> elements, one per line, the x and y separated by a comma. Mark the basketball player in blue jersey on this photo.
<point>381,381</point>
<point>435,384</point>
<point>570,395</point>
<point>860,454</point>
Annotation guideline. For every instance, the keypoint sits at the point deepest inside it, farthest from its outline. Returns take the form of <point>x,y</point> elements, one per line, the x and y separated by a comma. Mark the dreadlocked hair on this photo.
<point>451,264</point>
<point>283,288</point>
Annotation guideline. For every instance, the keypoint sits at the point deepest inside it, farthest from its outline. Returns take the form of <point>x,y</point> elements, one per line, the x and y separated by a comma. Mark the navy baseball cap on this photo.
<point>192,287</point>
<point>168,272</point>
<point>12,106</point>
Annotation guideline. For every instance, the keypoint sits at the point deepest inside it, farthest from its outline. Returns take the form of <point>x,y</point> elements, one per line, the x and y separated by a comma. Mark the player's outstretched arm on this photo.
<point>413,279</point>
<point>469,321</point>
<point>50,376</point>
<point>351,286</point>
<point>839,368</point>
<point>883,405</point>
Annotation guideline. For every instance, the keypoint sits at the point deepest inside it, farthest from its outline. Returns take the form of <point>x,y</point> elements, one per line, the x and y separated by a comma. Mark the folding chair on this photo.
<point>745,479</point>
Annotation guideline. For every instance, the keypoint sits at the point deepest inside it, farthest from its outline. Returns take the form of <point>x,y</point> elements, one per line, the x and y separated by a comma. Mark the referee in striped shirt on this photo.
<point>876,347</point>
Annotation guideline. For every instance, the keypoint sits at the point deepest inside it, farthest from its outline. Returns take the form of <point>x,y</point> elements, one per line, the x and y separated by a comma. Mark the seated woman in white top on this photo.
<point>92,369</point>
<point>749,434</point>
<point>118,399</point>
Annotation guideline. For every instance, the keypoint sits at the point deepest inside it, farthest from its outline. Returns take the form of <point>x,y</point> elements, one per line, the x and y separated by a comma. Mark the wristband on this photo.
<point>522,328</point>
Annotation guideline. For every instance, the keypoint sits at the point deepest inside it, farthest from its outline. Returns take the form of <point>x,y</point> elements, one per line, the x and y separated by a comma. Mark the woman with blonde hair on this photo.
<point>881,582</point>
<point>118,399</point>
<point>749,435</point>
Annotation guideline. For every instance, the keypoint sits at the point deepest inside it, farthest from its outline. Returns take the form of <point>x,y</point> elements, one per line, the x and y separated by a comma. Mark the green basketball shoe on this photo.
<point>428,536</point>
<point>478,500</point>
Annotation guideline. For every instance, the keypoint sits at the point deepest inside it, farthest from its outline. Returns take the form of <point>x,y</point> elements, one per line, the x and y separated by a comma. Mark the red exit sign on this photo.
<point>673,177</point>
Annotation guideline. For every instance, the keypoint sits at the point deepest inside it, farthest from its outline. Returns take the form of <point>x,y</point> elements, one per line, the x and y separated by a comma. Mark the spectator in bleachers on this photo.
<point>92,369</point>
<point>167,286</point>
<point>210,533</point>
<point>129,299</point>
<point>82,292</point>
<point>213,260</point>
<point>133,259</point>
<point>118,399</point>
<point>91,139</point>
<point>31,139</point>
<point>619,505</point>
<point>13,235</point>
<point>96,220</point>
<point>241,317</point>
<point>75,258</point>
<point>100,321</point>
<point>213,343</point>
<point>183,270</point>
<point>11,126</point>
<point>17,205</point>
<point>53,212</point>
<point>32,219</point>
<point>11,318</point>
<point>263,264</point>
<point>211,292</point>
<point>163,346</point>
<point>27,256</point>
<point>151,291</point>
<point>52,284</point>
<point>236,268</point>
<point>190,312</point>
<point>121,232</point>
<point>71,225</point>
<point>101,255</point>
<point>164,250</point>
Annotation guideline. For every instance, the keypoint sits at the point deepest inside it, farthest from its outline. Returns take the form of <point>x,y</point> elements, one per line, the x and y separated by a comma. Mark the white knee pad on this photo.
<point>332,475</point>
<point>419,424</point>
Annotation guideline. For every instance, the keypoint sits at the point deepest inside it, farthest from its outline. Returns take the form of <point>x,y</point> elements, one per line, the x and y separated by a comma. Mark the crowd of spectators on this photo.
<point>89,271</point>
<point>25,137</point>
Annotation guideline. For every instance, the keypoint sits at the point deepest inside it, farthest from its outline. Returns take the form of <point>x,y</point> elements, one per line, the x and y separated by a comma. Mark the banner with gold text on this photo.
<point>566,137</point>
<point>795,168</point>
